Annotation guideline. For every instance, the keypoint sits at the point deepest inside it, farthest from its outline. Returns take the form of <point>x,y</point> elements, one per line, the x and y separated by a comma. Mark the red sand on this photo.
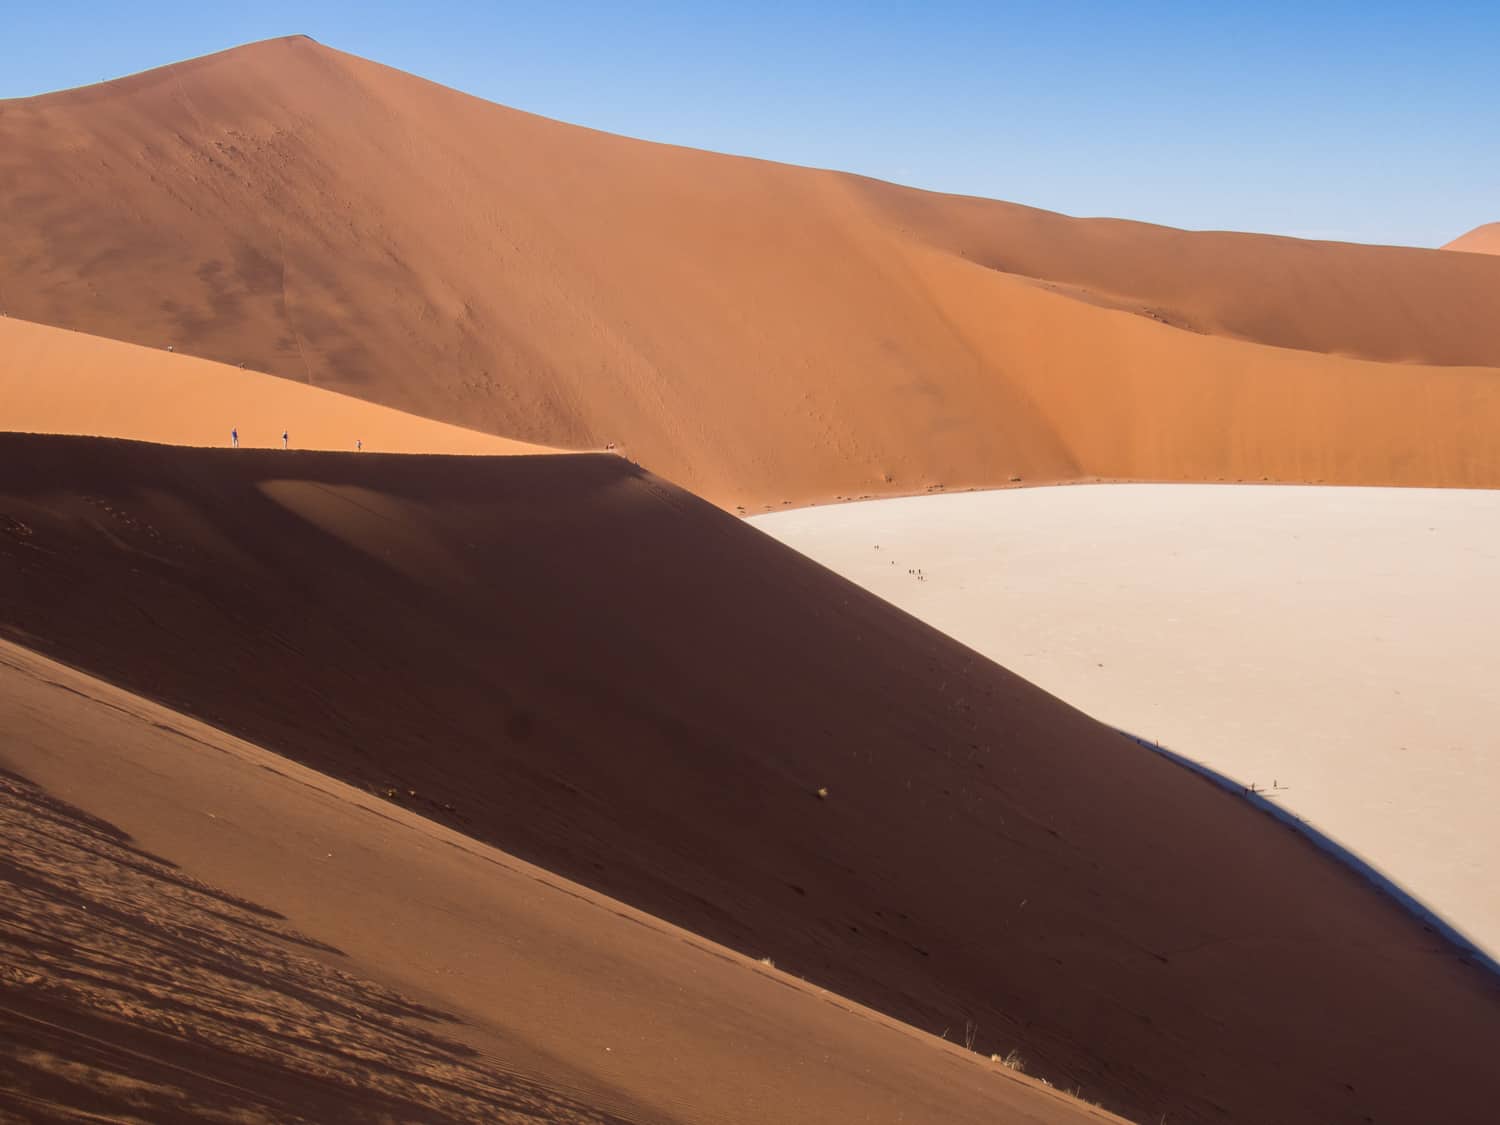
<point>267,944</point>
<point>55,381</point>
<point>1480,240</point>
<point>572,660</point>
<point>756,332</point>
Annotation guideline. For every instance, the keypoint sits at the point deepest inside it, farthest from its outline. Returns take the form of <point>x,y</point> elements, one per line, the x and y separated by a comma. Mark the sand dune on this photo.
<point>55,381</point>
<point>568,658</point>
<point>756,332</point>
<point>238,925</point>
<point>1333,643</point>
<point>1480,240</point>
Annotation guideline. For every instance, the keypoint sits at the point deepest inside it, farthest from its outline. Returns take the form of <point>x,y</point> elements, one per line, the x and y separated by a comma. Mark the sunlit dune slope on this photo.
<point>573,660</point>
<point>756,332</point>
<point>1480,240</point>
<point>1390,303</point>
<point>56,381</point>
<point>234,935</point>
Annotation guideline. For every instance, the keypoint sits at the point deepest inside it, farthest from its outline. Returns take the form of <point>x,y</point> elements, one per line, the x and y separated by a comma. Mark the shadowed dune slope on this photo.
<point>56,381</point>
<point>573,660</point>
<point>756,332</point>
<point>178,876</point>
<point>1481,240</point>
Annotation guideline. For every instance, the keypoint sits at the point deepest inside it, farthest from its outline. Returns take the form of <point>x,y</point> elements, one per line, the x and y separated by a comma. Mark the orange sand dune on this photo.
<point>1390,303</point>
<point>55,381</point>
<point>1480,240</point>
<point>247,939</point>
<point>572,660</point>
<point>758,333</point>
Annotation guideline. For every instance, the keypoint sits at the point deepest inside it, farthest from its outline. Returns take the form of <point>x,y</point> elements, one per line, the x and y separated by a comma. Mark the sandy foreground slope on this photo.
<point>196,929</point>
<point>572,660</point>
<point>1332,645</point>
<point>756,332</point>
<point>1480,240</point>
<point>56,381</point>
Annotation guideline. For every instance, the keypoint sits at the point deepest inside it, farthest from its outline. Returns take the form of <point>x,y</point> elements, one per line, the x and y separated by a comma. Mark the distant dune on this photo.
<point>1480,240</point>
<point>56,381</point>
<point>324,955</point>
<point>577,662</point>
<point>756,332</point>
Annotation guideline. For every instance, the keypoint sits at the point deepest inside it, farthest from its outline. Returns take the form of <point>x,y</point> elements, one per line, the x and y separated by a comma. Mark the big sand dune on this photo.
<point>759,333</point>
<point>194,929</point>
<point>55,381</point>
<point>570,659</point>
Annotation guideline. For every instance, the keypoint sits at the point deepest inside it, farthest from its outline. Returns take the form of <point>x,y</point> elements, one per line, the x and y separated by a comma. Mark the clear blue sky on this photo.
<point>1375,121</point>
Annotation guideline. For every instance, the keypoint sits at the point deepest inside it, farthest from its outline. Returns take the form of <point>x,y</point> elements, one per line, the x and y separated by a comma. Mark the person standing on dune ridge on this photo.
<point>234,438</point>
<point>283,440</point>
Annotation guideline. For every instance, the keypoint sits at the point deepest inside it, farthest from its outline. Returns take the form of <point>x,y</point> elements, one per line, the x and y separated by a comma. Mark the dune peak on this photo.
<point>1484,239</point>
<point>761,333</point>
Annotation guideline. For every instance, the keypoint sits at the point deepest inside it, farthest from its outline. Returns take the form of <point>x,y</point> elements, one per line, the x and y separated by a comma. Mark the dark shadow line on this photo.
<point>1467,949</point>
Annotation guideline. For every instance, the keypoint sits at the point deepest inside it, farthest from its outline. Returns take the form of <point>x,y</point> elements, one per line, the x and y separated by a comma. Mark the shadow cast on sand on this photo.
<point>129,989</point>
<point>571,660</point>
<point>1468,950</point>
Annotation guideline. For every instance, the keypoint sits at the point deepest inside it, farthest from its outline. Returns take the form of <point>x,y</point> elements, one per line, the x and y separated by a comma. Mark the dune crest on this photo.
<point>759,333</point>
<point>1481,240</point>
<point>56,381</point>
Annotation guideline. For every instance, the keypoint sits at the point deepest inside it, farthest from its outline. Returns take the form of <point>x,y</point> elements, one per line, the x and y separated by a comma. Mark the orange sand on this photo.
<point>55,381</point>
<point>570,659</point>
<point>1480,240</point>
<point>756,332</point>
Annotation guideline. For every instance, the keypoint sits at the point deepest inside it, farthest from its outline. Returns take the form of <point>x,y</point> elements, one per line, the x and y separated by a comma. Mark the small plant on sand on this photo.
<point>971,1031</point>
<point>768,963</point>
<point>1011,1061</point>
